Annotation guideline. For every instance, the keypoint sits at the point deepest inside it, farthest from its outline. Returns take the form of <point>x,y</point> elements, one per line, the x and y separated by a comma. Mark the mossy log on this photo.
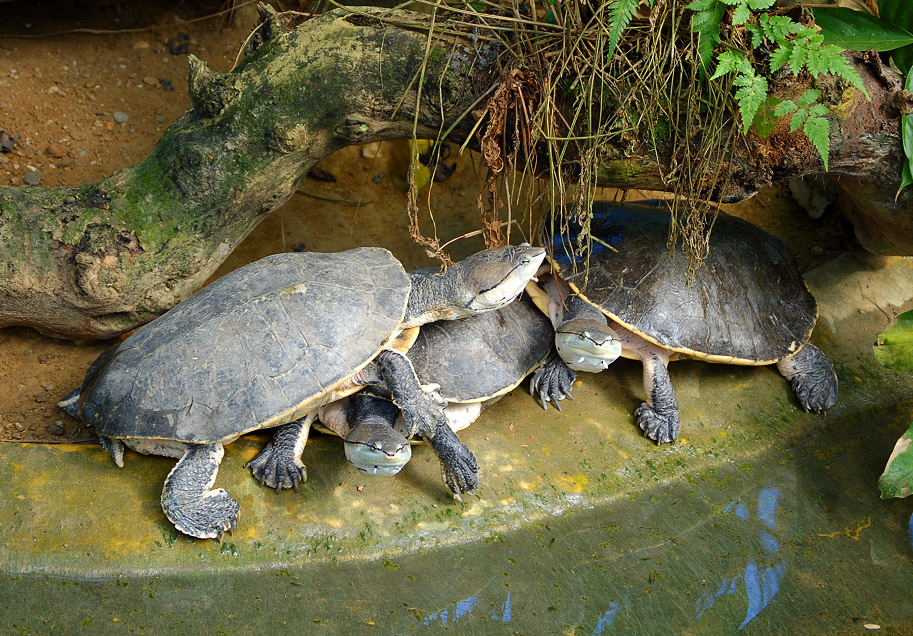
<point>98,260</point>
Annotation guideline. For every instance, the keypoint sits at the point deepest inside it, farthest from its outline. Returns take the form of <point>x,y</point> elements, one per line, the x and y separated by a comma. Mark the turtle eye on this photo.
<point>525,260</point>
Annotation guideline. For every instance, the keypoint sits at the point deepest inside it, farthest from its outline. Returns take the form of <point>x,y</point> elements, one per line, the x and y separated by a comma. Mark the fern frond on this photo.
<point>620,14</point>
<point>750,96</point>
<point>818,131</point>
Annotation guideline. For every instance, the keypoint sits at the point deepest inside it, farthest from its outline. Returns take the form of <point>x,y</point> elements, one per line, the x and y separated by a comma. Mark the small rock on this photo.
<point>49,387</point>
<point>120,117</point>
<point>39,398</point>
<point>6,142</point>
<point>372,151</point>
<point>166,85</point>
<point>380,176</point>
<point>179,44</point>
<point>55,149</point>
<point>78,136</point>
<point>816,250</point>
<point>140,44</point>
<point>151,81</point>
<point>19,426</point>
<point>160,119</point>
<point>299,247</point>
<point>32,178</point>
<point>57,428</point>
<point>81,153</point>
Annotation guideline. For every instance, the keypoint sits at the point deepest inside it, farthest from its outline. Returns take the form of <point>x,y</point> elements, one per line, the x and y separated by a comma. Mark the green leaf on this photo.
<point>701,5</point>
<point>897,478</point>
<point>899,12</point>
<point>740,15</point>
<point>620,14</point>
<point>809,97</point>
<point>765,121</point>
<point>859,31</point>
<point>785,107</point>
<point>779,57</point>
<point>798,56</point>
<point>757,35</point>
<point>906,177</point>
<point>750,96</point>
<point>779,27</point>
<point>706,25</point>
<point>818,110</point>
<point>797,119</point>
<point>818,131</point>
<point>731,61</point>
<point>907,123</point>
<point>894,346</point>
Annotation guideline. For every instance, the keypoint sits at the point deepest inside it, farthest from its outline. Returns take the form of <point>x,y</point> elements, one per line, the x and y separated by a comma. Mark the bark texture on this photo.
<point>98,260</point>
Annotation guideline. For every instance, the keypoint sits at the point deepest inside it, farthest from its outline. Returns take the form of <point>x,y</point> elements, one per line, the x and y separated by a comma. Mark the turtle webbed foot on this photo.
<point>459,467</point>
<point>206,518</point>
<point>812,377</point>
<point>553,381</point>
<point>276,469</point>
<point>660,427</point>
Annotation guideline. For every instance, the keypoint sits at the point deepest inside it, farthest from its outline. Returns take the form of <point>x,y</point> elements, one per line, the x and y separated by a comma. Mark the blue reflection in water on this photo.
<point>465,607</point>
<point>762,577</point>
<point>607,619</point>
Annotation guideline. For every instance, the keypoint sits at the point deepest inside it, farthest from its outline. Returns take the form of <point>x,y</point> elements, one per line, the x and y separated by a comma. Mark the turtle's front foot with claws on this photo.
<point>660,427</point>
<point>459,467</point>
<point>273,469</point>
<point>553,381</point>
<point>279,464</point>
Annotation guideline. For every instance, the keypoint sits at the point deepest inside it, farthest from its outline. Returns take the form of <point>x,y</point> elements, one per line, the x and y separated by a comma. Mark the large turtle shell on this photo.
<point>483,356</point>
<point>256,348</point>
<point>747,304</point>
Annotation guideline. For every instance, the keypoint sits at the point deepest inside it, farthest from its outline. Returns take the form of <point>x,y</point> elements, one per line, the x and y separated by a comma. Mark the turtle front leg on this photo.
<point>279,464</point>
<point>813,378</point>
<point>426,416</point>
<point>658,417</point>
<point>187,500</point>
<point>553,381</point>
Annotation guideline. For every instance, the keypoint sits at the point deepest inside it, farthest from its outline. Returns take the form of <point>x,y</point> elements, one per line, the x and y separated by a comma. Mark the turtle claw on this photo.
<point>276,470</point>
<point>661,428</point>
<point>459,467</point>
<point>553,381</point>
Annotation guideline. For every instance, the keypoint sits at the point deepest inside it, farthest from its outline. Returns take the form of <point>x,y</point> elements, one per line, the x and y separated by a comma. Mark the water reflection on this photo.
<point>763,570</point>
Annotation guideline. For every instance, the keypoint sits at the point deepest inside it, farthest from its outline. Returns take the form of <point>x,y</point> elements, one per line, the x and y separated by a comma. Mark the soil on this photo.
<point>58,99</point>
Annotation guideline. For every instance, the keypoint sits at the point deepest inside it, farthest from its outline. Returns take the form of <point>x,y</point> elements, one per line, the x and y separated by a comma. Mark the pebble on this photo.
<point>49,387</point>
<point>380,176</point>
<point>80,153</point>
<point>32,178</point>
<point>151,81</point>
<point>39,398</point>
<point>57,428</point>
<point>140,44</point>
<point>55,150</point>
<point>816,250</point>
<point>120,117</point>
<point>78,136</point>
<point>19,426</point>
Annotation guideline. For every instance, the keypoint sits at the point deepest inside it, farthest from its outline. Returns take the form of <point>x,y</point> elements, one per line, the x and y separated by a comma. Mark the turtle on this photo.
<point>746,305</point>
<point>271,342</point>
<point>471,363</point>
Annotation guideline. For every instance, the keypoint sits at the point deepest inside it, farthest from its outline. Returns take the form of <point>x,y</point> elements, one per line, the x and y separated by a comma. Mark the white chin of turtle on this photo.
<point>584,360</point>
<point>377,463</point>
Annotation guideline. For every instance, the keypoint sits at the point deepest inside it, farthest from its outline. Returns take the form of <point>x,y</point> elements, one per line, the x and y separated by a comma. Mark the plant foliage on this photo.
<point>791,44</point>
<point>894,349</point>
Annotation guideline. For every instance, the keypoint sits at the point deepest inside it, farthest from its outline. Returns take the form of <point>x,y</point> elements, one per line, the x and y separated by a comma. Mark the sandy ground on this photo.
<point>58,98</point>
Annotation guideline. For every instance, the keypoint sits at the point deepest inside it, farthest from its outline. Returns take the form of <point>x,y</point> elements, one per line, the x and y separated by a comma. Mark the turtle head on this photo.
<point>493,278</point>
<point>586,345</point>
<point>377,449</point>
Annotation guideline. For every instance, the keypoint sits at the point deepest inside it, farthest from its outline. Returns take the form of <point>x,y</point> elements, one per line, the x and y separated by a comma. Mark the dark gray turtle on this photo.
<point>748,305</point>
<point>270,343</point>
<point>472,362</point>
